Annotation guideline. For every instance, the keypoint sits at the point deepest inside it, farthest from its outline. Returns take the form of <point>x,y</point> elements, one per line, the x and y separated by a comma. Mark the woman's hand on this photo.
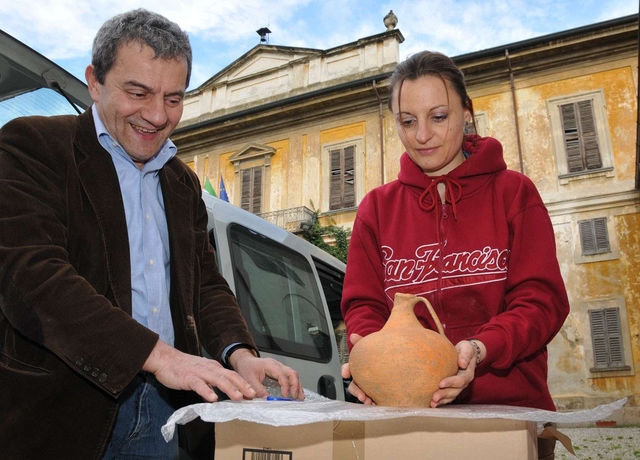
<point>346,374</point>
<point>451,387</point>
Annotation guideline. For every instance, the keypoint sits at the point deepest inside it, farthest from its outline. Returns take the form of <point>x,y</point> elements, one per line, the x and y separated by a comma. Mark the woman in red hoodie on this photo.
<point>472,237</point>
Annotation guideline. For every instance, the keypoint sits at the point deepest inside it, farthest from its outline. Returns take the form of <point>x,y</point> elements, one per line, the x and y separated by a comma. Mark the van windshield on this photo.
<point>279,297</point>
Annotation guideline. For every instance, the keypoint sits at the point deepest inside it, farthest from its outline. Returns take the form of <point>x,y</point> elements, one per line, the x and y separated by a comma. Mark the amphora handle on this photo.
<point>431,311</point>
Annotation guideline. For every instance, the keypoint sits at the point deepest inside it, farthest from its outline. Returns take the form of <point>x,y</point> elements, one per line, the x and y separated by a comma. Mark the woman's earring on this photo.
<point>466,127</point>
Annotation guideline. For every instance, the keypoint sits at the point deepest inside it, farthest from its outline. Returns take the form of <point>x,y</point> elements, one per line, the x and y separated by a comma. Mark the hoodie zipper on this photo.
<point>443,217</point>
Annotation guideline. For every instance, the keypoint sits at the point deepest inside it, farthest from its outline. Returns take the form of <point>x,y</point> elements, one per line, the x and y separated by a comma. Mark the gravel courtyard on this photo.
<point>619,443</point>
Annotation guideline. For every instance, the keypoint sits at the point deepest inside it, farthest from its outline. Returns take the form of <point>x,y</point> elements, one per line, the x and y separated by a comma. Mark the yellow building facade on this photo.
<point>291,130</point>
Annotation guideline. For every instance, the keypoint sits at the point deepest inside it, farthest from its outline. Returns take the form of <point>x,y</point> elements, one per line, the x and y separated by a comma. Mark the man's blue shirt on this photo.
<point>148,232</point>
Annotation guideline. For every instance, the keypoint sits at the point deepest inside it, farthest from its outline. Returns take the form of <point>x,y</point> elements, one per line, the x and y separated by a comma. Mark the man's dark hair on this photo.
<point>166,39</point>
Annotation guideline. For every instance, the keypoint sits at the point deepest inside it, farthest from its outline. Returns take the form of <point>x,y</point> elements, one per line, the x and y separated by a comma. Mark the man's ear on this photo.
<point>92,83</point>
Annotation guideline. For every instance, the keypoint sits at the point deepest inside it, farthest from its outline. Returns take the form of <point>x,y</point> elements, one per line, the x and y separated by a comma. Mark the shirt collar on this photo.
<point>166,152</point>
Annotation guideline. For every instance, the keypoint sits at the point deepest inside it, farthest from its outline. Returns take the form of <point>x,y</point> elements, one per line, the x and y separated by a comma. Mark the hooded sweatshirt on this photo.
<point>485,259</point>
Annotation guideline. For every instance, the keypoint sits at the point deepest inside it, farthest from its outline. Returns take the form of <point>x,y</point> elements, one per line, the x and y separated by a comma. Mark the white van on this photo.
<point>289,291</point>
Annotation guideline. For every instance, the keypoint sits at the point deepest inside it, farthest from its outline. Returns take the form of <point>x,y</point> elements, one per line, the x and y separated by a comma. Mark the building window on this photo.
<point>252,165</point>
<point>342,166</point>
<point>594,236</point>
<point>608,344</point>
<point>606,337</point>
<point>343,178</point>
<point>252,189</point>
<point>580,135</point>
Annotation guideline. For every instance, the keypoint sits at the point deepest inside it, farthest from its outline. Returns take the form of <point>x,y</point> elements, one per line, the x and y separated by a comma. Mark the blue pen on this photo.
<point>278,398</point>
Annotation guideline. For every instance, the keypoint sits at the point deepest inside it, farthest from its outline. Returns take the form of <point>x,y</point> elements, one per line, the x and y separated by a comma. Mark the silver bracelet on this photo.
<point>477,348</point>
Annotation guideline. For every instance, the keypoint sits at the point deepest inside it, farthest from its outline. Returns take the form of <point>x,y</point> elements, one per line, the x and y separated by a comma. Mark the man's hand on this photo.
<point>181,371</point>
<point>255,370</point>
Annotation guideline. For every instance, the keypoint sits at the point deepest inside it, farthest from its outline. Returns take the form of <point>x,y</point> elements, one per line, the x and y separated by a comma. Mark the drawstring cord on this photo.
<point>452,194</point>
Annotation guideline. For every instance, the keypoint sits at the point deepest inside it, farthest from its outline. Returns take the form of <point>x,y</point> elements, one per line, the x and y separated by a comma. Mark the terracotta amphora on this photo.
<point>403,363</point>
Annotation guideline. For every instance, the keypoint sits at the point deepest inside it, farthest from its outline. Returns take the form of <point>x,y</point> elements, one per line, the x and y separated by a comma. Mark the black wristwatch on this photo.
<point>229,352</point>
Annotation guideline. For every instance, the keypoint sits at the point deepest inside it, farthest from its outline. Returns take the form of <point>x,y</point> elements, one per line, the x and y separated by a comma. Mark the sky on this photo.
<point>222,31</point>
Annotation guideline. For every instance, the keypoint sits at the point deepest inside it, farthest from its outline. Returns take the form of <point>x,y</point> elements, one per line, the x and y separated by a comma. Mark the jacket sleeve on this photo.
<point>536,302</point>
<point>42,294</point>
<point>364,305</point>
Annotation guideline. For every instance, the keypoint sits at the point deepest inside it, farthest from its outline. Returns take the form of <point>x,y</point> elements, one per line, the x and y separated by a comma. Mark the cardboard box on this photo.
<point>398,438</point>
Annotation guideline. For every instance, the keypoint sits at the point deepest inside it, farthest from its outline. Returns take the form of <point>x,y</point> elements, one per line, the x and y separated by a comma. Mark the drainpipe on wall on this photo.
<point>515,109</point>
<point>638,116</point>
<point>380,117</point>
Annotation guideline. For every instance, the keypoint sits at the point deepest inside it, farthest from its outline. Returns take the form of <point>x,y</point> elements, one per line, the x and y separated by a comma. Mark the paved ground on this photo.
<point>620,443</point>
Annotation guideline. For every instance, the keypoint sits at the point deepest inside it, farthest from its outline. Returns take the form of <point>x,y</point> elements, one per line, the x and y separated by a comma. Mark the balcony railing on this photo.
<point>292,219</point>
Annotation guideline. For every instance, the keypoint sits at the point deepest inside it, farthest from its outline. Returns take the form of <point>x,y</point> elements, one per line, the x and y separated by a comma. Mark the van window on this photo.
<point>332,281</point>
<point>31,84</point>
<point>43,101</point>
<point>279,297</point>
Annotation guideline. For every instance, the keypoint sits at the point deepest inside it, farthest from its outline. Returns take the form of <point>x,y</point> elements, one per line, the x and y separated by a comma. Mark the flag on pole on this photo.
<point>223,191</point>
<point>208,187</point>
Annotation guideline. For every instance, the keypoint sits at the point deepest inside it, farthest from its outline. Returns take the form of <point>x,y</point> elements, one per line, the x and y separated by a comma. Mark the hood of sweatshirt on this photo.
<point>485,159</point>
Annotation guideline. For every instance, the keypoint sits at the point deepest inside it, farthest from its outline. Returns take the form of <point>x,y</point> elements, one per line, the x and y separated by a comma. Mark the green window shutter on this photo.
<point>245,202</point>
<point>594,236</point>
<point>571,137</point>
<point>580,136</point>
<point>342,187</point>
<point>608,350</point>
<point>589,135</point>
<point>251,197</point>
<point>349,177</point>
<point>599,339</point>
<point>601,235</point>
<point>616,351</point>
<point>256,195</point>
<point>587,238</point>
<point>335,193</point>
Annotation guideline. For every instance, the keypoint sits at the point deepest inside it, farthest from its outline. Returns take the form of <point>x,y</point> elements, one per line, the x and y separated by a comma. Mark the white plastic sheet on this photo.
<point>316,408</point>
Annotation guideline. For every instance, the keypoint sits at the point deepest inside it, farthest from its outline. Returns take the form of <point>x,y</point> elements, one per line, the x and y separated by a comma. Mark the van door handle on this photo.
<point>327,387</point>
